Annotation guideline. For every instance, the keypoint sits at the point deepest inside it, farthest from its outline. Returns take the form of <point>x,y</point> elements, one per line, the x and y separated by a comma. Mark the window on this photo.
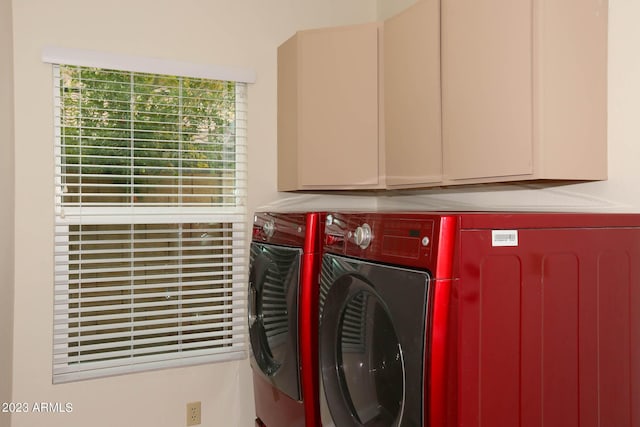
<point>149,221</point>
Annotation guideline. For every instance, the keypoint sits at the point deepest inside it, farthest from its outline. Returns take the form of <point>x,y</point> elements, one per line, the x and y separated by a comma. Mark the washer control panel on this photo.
<point>279,228</point>
<point>386,237</point>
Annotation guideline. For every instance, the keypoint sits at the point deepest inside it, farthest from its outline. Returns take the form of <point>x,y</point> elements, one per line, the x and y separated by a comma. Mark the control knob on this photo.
<point>269,228</point>
<point>363,236</point>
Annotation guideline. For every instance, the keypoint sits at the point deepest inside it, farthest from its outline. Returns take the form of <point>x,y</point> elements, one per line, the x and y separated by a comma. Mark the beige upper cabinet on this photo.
<point>448,92</point>
<point>328,110</point>
<point>412,116</point>
<point>524,90</point>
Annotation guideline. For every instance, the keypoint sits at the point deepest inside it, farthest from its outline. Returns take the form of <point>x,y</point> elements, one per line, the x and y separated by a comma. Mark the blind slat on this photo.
<point>167,295</point>
<point>147,252</point>
<point>233,348</point>
<point>83,280</point>
<point>61,325</point>
<point>167,347</point>
<point>87,310</point>
<point>111,340</point>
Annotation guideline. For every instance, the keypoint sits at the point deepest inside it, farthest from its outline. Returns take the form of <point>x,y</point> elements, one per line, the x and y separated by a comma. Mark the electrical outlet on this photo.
<point>193,414</point>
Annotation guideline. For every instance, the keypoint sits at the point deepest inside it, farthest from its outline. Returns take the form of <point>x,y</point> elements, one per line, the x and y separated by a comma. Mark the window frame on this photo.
<point>64,217</point>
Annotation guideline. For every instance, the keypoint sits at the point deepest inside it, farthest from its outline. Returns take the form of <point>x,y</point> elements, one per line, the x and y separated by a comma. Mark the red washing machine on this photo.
<point>283,317</point>
<point>480,320</point>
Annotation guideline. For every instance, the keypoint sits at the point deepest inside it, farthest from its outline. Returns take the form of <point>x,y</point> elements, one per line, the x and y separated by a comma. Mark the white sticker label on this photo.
<point>504,237</point>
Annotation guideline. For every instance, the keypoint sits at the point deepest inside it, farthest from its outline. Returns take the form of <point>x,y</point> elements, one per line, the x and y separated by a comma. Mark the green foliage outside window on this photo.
<point>125,132</point>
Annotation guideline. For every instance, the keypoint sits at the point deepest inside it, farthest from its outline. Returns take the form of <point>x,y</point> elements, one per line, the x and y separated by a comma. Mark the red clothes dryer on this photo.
<point>480,319</point>
<point>283,317</point>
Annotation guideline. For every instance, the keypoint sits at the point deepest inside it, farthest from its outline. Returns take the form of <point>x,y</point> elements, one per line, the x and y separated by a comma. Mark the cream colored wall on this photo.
<point>242,33</point>
<point>6,207</point>
<point>620,193</point>
<point>388,8</point>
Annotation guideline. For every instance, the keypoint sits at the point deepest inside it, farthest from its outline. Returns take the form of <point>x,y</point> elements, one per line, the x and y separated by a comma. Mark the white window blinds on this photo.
<point>150,221</point>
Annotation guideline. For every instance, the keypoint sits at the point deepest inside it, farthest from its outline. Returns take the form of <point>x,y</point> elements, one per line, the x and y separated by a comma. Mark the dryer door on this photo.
<point>273,314</point>
<point>372,344</point>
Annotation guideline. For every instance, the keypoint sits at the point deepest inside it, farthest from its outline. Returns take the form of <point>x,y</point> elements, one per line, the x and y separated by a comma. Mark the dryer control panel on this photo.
<point>403,239</point>
<point>276,228</point>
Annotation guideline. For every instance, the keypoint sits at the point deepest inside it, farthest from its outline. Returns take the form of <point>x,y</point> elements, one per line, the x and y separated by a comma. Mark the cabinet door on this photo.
<point>413,137</point>
<point>338,107</point>
<point>487,88</point>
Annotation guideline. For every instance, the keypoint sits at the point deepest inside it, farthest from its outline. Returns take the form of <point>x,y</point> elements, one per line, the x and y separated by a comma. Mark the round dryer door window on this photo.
<point>363,366</point>
<point>371,343</point>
